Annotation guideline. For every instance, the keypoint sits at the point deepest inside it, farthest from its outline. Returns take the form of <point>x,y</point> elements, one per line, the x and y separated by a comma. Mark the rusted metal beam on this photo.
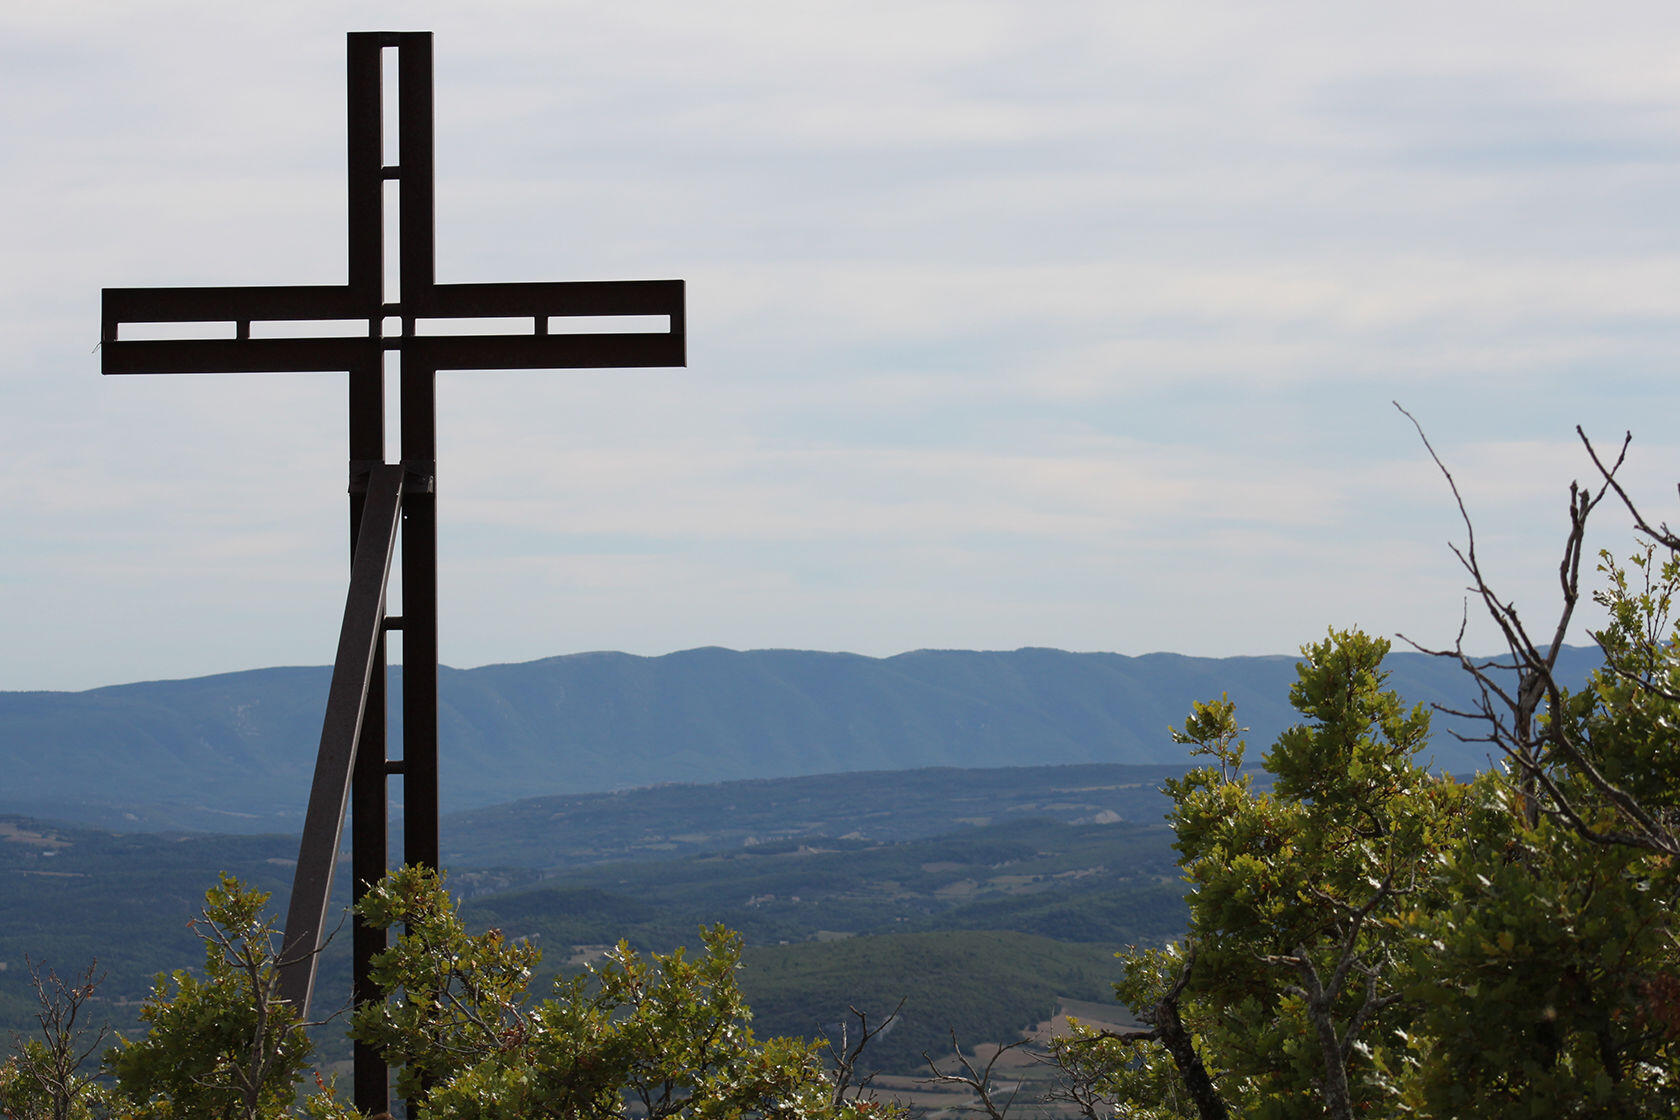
<point>418,425</point>
<point>535,348</point>
<point>359,640</point>
<point>216,305</point>
<point>234,355</point>
<point>452,352</point>
<point>559,297</point>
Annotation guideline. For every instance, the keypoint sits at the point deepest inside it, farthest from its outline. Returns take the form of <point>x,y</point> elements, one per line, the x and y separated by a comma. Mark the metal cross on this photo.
<point>360,322</point>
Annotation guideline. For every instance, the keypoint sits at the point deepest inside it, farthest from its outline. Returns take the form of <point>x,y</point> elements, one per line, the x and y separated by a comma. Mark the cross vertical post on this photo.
<point>353,766</point>
<point>369,795</point>
<point>417,277</point>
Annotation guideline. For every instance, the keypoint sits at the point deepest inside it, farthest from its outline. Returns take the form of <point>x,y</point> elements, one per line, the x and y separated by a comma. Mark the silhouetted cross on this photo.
<point>351,327</point>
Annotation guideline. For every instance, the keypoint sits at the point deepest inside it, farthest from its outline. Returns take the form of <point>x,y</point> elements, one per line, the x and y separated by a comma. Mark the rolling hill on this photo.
<point>234,752</point>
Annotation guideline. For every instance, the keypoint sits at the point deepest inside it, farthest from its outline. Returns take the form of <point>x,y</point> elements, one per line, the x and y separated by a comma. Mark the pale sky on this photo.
<point>1061,323</point>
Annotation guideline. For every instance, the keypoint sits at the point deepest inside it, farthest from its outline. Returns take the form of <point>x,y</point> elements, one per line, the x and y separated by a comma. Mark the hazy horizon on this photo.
<point>1073,326</point>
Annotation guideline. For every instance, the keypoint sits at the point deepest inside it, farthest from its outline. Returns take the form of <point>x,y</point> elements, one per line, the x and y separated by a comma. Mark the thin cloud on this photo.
<point>1009,324</point>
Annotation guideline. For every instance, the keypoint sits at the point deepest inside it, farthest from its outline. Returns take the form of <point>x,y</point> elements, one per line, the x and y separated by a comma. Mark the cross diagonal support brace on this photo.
<point>358,645</point>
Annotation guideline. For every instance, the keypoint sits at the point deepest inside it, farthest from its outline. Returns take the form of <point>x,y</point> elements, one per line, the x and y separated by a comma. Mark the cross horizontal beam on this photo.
<point>211,305</point>
<point>536,349</point>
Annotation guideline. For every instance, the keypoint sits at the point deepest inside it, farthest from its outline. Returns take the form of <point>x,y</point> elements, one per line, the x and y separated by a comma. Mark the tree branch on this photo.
<point>1511,716</point>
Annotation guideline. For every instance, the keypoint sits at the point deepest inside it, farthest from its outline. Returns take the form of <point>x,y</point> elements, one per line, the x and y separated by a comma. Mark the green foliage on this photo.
<point>25,1094</point>
<point>668,1032</point>
<point>44,1079</point>
<point>223,1045</point>
<point>1623,724</point>
<point>1290,889</point>
<point>1550,976</point>
<point>1545,977</point>
<point>456,997</point>
<point>1109,1068</point>
<point>660,1036</point>
<point>1368,938</point>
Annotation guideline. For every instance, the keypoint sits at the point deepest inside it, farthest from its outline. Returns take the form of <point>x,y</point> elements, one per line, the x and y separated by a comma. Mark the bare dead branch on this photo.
<point>1661,534</point>
<point>55,1067</point>
<point>1513,714</point>
<point>1077,1087</point>
<point>979,1082</point>
<point>848,1052</point>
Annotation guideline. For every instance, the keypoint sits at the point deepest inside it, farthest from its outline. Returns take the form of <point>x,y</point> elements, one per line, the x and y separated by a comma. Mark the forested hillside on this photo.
<point>1075,857</point>
<point>663,821</point>
<point>235,752</point>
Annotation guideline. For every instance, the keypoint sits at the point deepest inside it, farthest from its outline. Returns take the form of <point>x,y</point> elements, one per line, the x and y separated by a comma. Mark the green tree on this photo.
<point>44,1078</point>
<point>222,1045</point>
<point>664,1036</point>
<point>669,1033</point>
<point>1368,938</point>
<point>1543,981</point>
<point>1550,977</point>
<point>1288,981</point>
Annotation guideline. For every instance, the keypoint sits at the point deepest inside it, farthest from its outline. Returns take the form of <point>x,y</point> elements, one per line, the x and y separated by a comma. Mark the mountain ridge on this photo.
<point>236,750</point>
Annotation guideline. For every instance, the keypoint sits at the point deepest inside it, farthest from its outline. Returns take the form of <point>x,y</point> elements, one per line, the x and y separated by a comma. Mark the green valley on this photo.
<point>982,899</point>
